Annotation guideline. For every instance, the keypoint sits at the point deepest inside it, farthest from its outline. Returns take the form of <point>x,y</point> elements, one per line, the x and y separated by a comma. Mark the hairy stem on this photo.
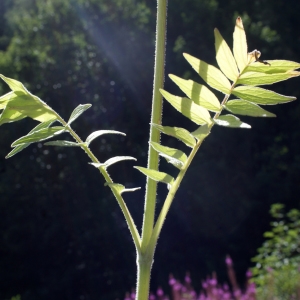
<point>156,113</point>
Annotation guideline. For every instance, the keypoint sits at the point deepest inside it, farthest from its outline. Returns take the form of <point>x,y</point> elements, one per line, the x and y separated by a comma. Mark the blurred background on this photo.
<point>62,234</point>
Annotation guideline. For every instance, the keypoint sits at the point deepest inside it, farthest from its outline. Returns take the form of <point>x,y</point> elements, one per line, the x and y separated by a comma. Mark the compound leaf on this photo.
<point>210,74</point>
<point>180,133</point>
<point>39,135</point>
<point>97,133</point>
<point>156,175</point>
<point>199,93</point>
<point>81,108</point>
<point>231,121</point>
<point>240,48</point>
<point>245,108</point>
<point>260,96</point>
<point>225,58</point>
<point>188,108</point>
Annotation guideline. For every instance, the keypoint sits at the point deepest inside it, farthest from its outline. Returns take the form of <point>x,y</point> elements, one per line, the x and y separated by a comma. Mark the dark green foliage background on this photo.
<point>62,235</point>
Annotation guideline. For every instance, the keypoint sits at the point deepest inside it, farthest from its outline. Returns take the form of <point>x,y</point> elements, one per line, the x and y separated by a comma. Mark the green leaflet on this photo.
<point>6,98</point>
<point>62,144</point>
<point>260,96</point>
<point>20,147</point>
<point>119,188</point>
<point>201,133</point>
<point>188,108</point>
<point>9,115</point>
<point>240,48</point>
<point>173,156</point>
<point>199,93</point>
<point>225,58</point>
<point>243,107</point>
<point>112,161</point>
<point>39,135</point>
<point>276,66</point>
<point>15,85</point>
<point>81,108</point>
<point>97,133</point>
<point>156,175</point>
<point>258,78</point>
<point>210,74</point>
<point>180,133</point>
<point>21,103</point>
<point>231,121</point>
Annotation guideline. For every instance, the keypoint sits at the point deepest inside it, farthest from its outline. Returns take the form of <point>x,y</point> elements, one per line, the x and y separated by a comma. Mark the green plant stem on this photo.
<point>156,113</point>
<point>145,256</point>
<point>132,227</point>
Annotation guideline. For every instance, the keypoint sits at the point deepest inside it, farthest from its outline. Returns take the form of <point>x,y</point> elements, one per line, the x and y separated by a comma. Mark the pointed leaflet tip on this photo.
<point>240,48</point>
<point>225,58</point>
<point>97,133</point>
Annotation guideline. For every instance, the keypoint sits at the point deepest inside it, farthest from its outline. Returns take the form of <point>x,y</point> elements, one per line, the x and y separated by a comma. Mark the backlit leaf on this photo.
<point>275,66</point>
<point>240,48</point>
<point>225,58</point>
<point>15,85</point>
<point>180,133</point>
<point>17,149</point>
<point>231,121</point>
<point>243,107</point>
<point>199,93</point>
<point>9,115</point>
<point>81,108</point>
<point>174,156</point>
<point>258,78</point>
<point>188,108</point>
<point>201,133</point>
<point>6,98</point>
<point>119,188</point>
<point>156,175</point>
<point>20,147</point>
<point>39,135</point>
<point>112,161</point>
<point>97,133</point>
<point>210,74</point>
<point>260,96</point>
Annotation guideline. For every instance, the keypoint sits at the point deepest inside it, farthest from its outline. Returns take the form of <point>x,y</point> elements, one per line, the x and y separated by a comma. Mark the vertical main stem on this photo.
<point>146,253</point>
<point>156,113</point>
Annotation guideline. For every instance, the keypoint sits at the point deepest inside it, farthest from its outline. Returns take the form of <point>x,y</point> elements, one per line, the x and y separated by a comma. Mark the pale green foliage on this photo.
<point>239,74</point>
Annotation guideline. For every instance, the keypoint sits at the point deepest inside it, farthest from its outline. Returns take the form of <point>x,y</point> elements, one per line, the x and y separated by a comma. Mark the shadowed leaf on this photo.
<point>199,93</point>
<point>243,107</point>
<point>240,48</point>
<point>225,58</point>
<point>188,108</point>
<point>260,96</point>
<point>210,74</point>
<point>180,133</point>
